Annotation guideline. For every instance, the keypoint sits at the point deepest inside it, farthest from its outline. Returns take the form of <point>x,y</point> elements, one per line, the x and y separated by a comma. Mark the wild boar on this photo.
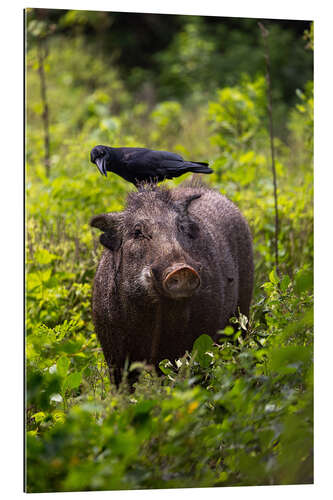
<point>177,263</point>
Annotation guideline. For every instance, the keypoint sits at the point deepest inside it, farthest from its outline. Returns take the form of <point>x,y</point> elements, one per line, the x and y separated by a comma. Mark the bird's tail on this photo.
<point>198,167</point>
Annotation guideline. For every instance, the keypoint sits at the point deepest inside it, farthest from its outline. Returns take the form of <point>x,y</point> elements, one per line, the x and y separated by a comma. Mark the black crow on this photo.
<point>139,165</point>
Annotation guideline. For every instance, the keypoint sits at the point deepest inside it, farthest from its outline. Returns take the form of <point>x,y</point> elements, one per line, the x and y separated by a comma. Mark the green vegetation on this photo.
<point>236,413</point>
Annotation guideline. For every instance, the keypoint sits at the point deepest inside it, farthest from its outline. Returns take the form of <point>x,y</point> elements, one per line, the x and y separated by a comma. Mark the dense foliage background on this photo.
<point>236,413</point>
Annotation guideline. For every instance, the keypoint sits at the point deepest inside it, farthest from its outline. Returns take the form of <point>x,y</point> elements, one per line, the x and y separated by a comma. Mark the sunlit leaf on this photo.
<point>203,344</point>
<point>72,381</point>
<point>63,365</point>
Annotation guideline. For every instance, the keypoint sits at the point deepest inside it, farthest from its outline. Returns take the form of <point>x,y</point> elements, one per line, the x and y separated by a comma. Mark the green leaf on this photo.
<point>288,359</point>
<point>243,321</point>
<point>228,330</point>
<point>63,365</point>
<point>284,283</point>
<point>273,277</point>
<point>72,381</point>
<point>137,365</point>
<point>304,281</point>
<point>142,412</point>
<point>39,417</point>
<point>201,346</point>
<point>43,256</point>
<point>70,347</point>
<point>166,367</point>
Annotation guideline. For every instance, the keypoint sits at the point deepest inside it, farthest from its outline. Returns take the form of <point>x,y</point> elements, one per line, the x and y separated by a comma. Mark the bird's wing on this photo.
<point>172,168</point>
<point>128,154</point>
<point>159,156</point>
<point>142,164</point>
<point>141,169</point>
<point>144,155</point>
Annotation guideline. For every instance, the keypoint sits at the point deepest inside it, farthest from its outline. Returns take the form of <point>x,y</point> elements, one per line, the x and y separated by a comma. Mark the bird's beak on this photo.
<point>100,162</point>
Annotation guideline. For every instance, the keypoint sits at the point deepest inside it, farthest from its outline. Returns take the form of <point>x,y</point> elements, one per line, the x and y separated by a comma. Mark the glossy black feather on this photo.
<point>138,165</point>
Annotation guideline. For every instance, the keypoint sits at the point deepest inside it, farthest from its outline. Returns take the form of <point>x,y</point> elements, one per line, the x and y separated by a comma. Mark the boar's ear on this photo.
<point>182,206</point>
<point>104,221</point>
<point>108,223</point>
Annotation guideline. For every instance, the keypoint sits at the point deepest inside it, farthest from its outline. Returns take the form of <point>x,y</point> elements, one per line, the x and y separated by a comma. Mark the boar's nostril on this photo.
<point>181,281</point>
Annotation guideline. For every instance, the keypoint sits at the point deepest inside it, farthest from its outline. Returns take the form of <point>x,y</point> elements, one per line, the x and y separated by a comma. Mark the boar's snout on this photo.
<point>180,281</point>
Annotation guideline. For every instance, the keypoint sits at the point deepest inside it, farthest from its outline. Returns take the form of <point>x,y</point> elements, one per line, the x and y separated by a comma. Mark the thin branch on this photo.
<point>264,33</point>
<point>41,70</point>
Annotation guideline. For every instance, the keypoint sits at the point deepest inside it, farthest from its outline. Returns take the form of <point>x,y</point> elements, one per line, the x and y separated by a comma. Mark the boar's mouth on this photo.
<point>180,281</point>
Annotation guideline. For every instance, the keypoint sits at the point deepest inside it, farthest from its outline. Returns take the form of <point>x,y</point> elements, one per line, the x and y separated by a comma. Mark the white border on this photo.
<point>11,246</point>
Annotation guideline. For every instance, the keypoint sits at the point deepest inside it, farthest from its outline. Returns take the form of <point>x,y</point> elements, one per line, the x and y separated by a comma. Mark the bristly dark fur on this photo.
<point>191,226</point>
<point>196,182</point>
<point>148,191</point>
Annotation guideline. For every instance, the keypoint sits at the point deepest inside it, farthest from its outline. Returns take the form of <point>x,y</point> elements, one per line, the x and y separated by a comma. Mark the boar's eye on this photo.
<point>138,231</point>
